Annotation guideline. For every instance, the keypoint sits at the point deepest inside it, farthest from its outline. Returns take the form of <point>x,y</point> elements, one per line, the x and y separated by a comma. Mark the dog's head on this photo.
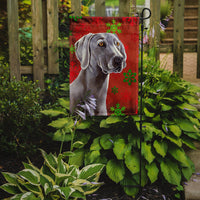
<point>104,50</point>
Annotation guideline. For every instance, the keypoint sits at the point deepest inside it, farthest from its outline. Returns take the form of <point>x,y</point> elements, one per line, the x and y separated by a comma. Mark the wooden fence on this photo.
<point>45,34</point>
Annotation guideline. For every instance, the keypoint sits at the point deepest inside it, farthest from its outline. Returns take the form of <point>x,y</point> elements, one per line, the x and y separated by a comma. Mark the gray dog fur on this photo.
<point>97,62</point>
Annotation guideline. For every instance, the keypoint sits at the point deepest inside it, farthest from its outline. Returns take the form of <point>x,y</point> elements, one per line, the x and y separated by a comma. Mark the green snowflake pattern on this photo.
<point>114,27</point>
<point>72,49</point>
<point>118,111</point>
<point>114,90</point>
<point>75,18</point>
<point>129,77</point>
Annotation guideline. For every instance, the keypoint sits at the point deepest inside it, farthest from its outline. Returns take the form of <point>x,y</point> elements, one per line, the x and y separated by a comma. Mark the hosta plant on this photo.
<point>54,180</point>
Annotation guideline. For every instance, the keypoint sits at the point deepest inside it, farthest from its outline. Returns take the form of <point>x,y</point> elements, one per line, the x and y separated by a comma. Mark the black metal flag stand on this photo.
<point>142,18</point>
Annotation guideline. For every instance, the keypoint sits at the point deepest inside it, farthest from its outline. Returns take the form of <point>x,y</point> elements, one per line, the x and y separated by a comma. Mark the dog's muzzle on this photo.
<point>117,63</point>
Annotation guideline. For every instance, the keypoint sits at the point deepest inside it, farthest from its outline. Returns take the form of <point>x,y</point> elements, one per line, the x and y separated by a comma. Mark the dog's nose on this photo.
<point>117,61</point>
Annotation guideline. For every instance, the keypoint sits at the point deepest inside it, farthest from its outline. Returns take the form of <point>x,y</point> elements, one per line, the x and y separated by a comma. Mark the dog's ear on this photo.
<point>82,50</point>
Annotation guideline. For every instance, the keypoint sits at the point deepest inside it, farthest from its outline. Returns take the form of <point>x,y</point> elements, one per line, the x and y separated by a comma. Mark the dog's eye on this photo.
<point>117,43</point>
<point>101,44</point>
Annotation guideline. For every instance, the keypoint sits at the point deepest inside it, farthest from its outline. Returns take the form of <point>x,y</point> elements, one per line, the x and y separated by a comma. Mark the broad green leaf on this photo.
<point>147,113</point>
<point>179,155</point>
<point>66,191</point>
<point>175,130</point>
<point>10,177</point>
<point>62,122</point>
<point>132,161</point>
<point>61,178</point>
<point>64,103</point>
<point>16,197</point>
<point>191,100</point>
<point>106,141</point>
<point>53,113</point>
<point>92,157</point>
<point>103,124</point>
<point>95,146</point>
<point>29,165</point>
<point>60,135</point>
<point>115,170</point>
<point>129,186</point>
<point>46,182</point>
<point>188,171</point>
<point>188,142</point>
<point>67,154</point>
<point>29,196</point>
<point>174,140</point>
<point>171,172</point>
<point>119,148</point>
<point>147,152</point>
<point>84,125</point>
<point>61,168</point>
<point>186,125</point>
<point>78,144</point>
<point>33,188</point>
<point>160,147</point>
<point>50,160</point>
<point>10,188</point>
<point>30,175</point>
<point>90,171</point>
<point>153,171</point>
<point>165,107</point>
<point>113,119</point>
<point>78,157</point>
<point>175,87</point>
<point>185,106</point>
<point>193,135</point>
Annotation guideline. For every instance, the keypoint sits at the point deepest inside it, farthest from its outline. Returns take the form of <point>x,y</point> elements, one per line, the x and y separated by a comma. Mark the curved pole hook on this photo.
<point>143,18</point>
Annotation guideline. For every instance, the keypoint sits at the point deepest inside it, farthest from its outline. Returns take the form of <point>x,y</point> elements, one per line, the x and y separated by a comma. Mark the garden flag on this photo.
<point>104,65</point>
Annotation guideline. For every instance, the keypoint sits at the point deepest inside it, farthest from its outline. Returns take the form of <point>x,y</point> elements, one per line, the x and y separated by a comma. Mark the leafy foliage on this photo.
<point>20,107</point>
<point>54,180</point>
<point>170,123</point>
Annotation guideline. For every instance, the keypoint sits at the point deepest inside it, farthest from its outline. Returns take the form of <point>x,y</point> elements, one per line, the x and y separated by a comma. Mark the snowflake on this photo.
<point>114,90</point>
<point>113,27</point>
<point>129,77</point>
<point>72,49</point>
<point>118,111</point>
<point>75,18</point>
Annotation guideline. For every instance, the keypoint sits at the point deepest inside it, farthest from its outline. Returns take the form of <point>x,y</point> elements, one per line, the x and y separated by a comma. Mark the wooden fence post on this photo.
<point>14,44</point>
<point>178,47</point>
<point>155,27</point>
<point>52,36</point>
<point>37,38</point>
<point>100,8</point>
<point>124,8</point>
<point>76,7</point>
<point>198,44</point>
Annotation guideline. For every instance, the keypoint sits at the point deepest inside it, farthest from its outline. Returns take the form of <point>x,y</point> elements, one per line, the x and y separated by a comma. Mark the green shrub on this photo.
<point>170,123</point>
<point>54,180</point>
<point>20,107</point>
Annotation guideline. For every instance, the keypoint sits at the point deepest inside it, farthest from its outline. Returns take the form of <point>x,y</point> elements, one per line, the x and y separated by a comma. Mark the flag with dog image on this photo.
<point>104,54</point>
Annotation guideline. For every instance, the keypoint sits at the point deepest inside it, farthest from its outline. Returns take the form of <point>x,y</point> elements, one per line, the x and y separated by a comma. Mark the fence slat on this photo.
<point>178,36</point>
<point>52,36</point>
<point>76,7</point>
<point>14,44</point>
<point>100,8</point>
<point>124,8</point>
<point>155,27</point>
<point>198,44</point>
<point>37,38</point>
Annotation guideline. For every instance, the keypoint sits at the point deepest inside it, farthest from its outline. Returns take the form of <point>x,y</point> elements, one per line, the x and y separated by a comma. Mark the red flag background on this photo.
<point>122,95</point>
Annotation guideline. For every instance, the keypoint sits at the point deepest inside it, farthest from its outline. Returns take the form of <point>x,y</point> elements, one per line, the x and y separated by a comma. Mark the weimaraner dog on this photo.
<point>99,54</point>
